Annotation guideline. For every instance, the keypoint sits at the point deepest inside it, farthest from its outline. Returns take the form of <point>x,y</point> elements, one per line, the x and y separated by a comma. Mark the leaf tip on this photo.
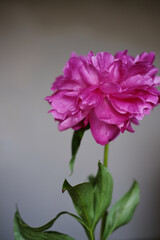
<point>136,185</point>
<point>99,163</point>
<point>65,186</point>
<point>71,166</point>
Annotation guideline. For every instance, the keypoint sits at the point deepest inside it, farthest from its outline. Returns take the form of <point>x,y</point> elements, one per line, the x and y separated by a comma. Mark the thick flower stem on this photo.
<point>105,163</point>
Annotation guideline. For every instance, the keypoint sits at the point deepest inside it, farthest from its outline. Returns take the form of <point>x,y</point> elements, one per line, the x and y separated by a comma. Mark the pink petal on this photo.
<point>89,74</point>
<point>62,103</point>
<point>129,127</point>
<point>146,96</point>
<point>58,116</point>
<point>115,72</point>
<point>138,68</point>
<point>82,124</point>
<point>72,120</point>
<point>102,61</point>
<point>106,113</point>
<point>101,131</point>
<point>135,106</point>
<point>89,57</point>
<point>110,87</point>
<point>135,121</point>
<point>89,98</point>
<point>58,83</point>
<point>147,57</point>
<point>120,54</point>
<point>157,80</point>
<point>65,84</point>
<point>77,69</point>
<point>152,72</point>
<point>136,82</point>
<point>73,54</point>
<point>72,71</point>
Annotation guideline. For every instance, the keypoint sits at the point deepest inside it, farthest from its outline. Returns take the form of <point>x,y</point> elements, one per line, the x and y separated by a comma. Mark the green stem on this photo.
<point>92,236</point>
<point>105,163</point>
<point>105,159</point>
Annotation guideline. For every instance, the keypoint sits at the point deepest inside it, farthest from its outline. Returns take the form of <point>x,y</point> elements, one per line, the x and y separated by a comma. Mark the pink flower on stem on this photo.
<point>105,91</point>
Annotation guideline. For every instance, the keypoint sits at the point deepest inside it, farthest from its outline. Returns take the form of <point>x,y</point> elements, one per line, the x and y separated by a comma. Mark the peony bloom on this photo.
<point>105,91</point>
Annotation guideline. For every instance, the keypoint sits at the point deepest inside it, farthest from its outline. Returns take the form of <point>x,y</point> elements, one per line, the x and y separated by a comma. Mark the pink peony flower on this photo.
<point>105,91</point>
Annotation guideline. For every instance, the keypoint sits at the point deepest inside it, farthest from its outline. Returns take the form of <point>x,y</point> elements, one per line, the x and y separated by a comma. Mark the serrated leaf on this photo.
<point>76,141</point>
<point>122,211</point>
<point>24,232</point>
<point>102,192</point>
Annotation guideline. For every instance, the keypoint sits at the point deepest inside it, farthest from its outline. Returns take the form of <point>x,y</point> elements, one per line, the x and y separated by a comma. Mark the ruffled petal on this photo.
<point>136,82</point>
<point>152,72</point>
<point>58,83</point>
<point>146,96</point>
<point>72,71</point>
<point>106,113</point>
<point>110,87</point>
<point>89,74</point>
<point>121,54</point>
<point>61,103</point>
<point>116,72</point>
<point>149,57</point>
<point>101,131</point>
<point>135,121</point>
<point>82,124</point>
<point>135,106</point>
<point>72,120</point>
<point>89,98</point>
<point>65,84</point>
<point>102,61</point>
<point>157,80</point>
<point>129,127</point>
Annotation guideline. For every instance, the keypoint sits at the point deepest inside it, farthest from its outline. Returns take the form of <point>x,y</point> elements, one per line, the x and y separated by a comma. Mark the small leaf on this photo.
<point>102,192</point>
<point>76,141</point>
<point>24,232</point>
<point>122,211</point>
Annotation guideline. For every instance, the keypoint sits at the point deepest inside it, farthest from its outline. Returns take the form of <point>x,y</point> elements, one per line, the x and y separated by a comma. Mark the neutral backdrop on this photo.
<point>36,39</point>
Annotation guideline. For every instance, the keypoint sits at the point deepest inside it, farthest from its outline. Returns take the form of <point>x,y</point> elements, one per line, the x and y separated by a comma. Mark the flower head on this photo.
<point>105,91</point>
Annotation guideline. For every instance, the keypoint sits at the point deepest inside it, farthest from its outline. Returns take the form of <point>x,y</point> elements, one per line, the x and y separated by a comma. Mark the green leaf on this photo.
<point>24,232</point>
<point>91,199</point>
<point>122,211</point>
<point>82,198</point>
<point>102,192</point>
<point>17,233</point>
<point>92,179</point>
<point>76,141</point>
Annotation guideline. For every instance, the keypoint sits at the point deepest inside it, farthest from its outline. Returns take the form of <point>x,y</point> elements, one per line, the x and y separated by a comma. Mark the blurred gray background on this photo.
<point>36,39</point>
